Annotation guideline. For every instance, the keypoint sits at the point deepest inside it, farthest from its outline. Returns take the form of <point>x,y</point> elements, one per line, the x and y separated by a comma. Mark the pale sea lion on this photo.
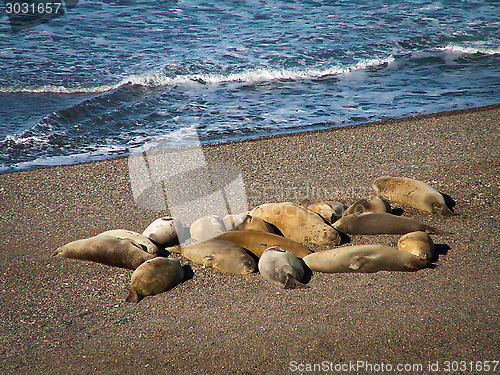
<point>413,193</point>
<point>147,244</point>
<point>418,243</point>
<point>298,223</point>
<point>281,267</point>
<point>258,242</point>
<point>166,231</point>
<point>331,211</point>
<point>382,223</point>
<point>153,277</point>
<point>207,227</point>
<point>232,221</point>
<point>373,204</point>
<point>363,258</point>
<point>221,255</point>
<point>106,249</point>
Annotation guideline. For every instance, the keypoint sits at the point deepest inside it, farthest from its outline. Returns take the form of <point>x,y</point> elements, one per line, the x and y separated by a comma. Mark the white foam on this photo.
<point>155,79</point>
<point>470,50</point>
<point>102,153</point>
<point>20,140</point>
<point>432,7</point>
<point>55,89</point>
<point>253,76</point>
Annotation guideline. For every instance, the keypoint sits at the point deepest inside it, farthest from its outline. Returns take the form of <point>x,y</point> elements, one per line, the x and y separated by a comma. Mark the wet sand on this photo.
<point>62,316</point>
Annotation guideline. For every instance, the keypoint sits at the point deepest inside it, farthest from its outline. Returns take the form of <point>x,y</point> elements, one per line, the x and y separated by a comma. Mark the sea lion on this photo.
<point>257,224</point>
<point>382,223</point>
<point>106,249</point>
<point>207,227</point>
<point>147,244</point>
<point>298,223</point>
<point>281,267</point>
<point>373,204</point>
<point>413,193</point>
<point>258,242</point>
<point>221,255</point>
<point>166,231</point>
<point>154,276</point>
<point>363,258</point>
<point>232,221</point>
<point>331,211</point>
<point>418,243</point>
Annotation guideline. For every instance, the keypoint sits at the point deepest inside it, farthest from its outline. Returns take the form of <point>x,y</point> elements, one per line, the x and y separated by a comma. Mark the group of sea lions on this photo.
<point>272,237</point>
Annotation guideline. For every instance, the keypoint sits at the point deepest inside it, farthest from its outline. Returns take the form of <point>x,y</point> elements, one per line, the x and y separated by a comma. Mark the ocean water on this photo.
<point>110,78</point>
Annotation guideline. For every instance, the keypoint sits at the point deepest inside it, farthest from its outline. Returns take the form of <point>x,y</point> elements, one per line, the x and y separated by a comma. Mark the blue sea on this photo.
<point>108,78</point>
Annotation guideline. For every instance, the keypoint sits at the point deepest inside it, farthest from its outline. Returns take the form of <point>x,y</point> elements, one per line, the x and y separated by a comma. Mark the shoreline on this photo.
<point>61,315</point>
<point>286,134</point>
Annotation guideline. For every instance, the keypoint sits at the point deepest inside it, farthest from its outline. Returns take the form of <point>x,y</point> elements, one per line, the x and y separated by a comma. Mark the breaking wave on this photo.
<point>158,79</point>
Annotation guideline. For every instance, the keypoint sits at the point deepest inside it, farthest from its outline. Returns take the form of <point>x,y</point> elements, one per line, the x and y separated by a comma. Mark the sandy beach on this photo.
<point>62,316</point>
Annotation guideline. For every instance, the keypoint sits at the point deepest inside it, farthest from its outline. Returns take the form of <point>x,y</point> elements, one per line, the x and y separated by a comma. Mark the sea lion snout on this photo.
<point>442,209</point>
<point>248,267</point>
<point>334,237</point>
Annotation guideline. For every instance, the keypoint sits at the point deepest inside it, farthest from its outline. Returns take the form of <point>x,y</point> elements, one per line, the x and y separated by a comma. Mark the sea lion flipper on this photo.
<point>292,283</point>
<point>133,296</point>
<point>137,244</point>
<point>56,252</point>
<point>438,232</point>
<point>357,262</point>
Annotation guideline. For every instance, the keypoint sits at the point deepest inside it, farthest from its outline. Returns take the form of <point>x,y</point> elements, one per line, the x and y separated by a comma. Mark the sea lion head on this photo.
<point>249,266</point>
<point>441,208</point>
<point>166,231</point>
<point>334,237</point>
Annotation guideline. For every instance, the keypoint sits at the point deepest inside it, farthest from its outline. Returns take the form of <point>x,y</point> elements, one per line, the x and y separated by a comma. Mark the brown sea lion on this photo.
<point>363,258</point>
<point>207,227</point>
<point>331,211</point>
<point>418,243</point>
<point>258,242</point>
<point>281,267</point>
<point>298,223</point>
<point>373,204</point>
<point>382,223</point>
<point>106,249</point>
<point>413,193</point>
<point>166,231</point>
<point>257,224</point>
<point>153,277</point>
<point>221,255</point>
